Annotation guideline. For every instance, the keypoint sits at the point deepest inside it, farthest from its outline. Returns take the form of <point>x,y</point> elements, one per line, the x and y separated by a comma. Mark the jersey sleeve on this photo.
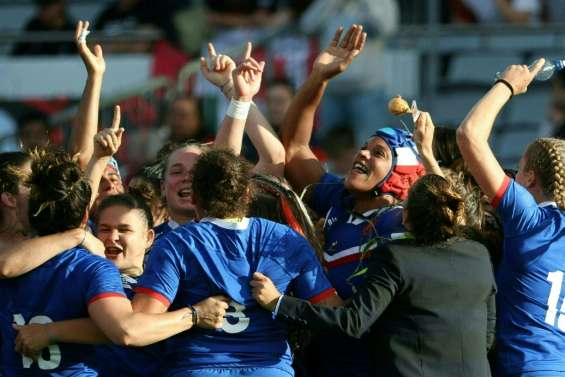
<point>516,207</point>
<point>163,271</point>
<point>103,281</point>
<point>326,193</point>
<point>311,282</point>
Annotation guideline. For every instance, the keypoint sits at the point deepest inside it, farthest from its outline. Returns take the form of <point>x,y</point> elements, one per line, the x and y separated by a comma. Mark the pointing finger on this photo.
<point>248,48</point>
<point>211,50</point>
<point>117,118</point>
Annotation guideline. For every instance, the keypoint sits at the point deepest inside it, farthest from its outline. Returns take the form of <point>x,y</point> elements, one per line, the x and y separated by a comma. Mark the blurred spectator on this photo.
<point>33,130</point>
<point>124,15</point>
<point>495,11</point>
<point>279,95</point>
<point>248,13</point>
<point>554,11</point>
<point>52,16</point>
<point>183,121</point>
<point>357,96</point>
<point>339,144</point>
<point>555,119</point>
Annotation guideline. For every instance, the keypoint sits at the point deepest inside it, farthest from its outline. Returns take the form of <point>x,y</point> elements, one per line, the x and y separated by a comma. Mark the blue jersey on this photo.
<point>214,257</point>
<point>165,228</point>
<point>347,234</point>
<point>531,289</point>
<point>346,250</point>
<point>117,361</point>
<point>58,290</point>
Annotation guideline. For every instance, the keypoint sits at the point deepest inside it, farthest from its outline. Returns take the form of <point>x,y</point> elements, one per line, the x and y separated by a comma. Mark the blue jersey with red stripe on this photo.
<point>346,250</point>
<point>60,289</point>
<point>347,234</point>
<point>117,361</point>
<point>531,284</point>
<point>213,257</point>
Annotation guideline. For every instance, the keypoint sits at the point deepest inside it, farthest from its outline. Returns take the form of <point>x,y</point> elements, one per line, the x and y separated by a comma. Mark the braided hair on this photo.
<point>546,158</point>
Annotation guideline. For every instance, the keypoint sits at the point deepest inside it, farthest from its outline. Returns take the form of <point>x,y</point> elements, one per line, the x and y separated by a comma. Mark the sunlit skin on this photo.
<point>110,184</point>
<point>176,186</point>
<point>370,166</point>
<point>126,237</point>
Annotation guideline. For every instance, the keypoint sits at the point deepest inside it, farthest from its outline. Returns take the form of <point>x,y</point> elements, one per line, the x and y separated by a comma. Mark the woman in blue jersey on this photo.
<point>74,284</point>
<point>178,163</point>
<point>531,313</point>
<point>16,235</point>
<point>124,225</point>
<point>356,209</point>
<point>217,255</point>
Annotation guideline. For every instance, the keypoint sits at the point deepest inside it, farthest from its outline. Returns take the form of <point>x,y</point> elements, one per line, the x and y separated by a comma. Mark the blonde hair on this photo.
<point>546,158</point>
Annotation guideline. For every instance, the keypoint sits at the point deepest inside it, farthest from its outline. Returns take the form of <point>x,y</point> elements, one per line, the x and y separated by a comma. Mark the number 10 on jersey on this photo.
<point>556,279</point>
<point>54,350</point>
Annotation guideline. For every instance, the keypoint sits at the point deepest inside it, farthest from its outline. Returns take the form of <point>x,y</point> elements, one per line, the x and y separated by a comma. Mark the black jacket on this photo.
<point>430,309</point>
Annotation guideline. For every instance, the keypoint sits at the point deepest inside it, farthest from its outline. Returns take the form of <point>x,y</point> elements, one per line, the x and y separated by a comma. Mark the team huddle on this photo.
<point>207,265</point>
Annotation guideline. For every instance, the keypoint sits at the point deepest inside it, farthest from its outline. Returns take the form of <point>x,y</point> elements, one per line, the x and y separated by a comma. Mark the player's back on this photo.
<point>219,257</point>
<point>58,290</point>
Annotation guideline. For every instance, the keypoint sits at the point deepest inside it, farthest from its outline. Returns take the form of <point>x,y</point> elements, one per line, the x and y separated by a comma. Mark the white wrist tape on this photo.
<point>238,109</point>
<point>82,36</point>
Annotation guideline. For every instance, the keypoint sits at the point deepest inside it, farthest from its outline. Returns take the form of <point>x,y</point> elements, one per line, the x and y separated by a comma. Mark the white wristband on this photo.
<point>82,36</point>
<point>238,109</point>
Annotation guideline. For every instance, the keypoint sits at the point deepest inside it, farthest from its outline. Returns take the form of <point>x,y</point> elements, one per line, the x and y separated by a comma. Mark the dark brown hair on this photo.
<point>10,170</point>
<point>221,184</point>
<point>59,192</point>
<point>148,188</point>
<point>435,210</point>
<point>129,201</point>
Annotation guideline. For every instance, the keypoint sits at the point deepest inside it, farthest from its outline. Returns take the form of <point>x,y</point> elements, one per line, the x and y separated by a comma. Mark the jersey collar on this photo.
<point>173,224</point>
<point>226,224</point>
<point>547,204</point>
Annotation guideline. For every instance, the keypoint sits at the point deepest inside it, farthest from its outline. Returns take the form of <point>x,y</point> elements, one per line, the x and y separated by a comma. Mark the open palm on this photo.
<point>93,61</point>
<point>339,55</point>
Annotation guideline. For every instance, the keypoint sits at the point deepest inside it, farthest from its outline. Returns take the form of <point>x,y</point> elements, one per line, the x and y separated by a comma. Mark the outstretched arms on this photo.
<point>474,131</point>
<point>86,124</point>
<point>302,166</point>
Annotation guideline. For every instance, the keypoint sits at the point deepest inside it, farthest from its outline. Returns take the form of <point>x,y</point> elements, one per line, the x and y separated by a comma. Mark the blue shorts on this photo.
<point>234,372</point>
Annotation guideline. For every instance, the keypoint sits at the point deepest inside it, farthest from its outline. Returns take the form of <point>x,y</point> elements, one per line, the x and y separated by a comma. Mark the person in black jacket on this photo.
<point>428,302</point>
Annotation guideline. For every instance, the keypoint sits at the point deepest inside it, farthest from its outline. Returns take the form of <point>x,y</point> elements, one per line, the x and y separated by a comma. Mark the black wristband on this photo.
<point>502,81</point>
<point>194,314</point>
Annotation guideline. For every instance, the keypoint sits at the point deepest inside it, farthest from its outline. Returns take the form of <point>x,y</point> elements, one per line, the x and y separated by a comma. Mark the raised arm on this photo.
<point>302,167</point>
<point>423,138</point>
<point>474,131</point>
<point>261,133</point>
<point>86,123</point>
<point>106,144</point>
<point>247,82</point>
